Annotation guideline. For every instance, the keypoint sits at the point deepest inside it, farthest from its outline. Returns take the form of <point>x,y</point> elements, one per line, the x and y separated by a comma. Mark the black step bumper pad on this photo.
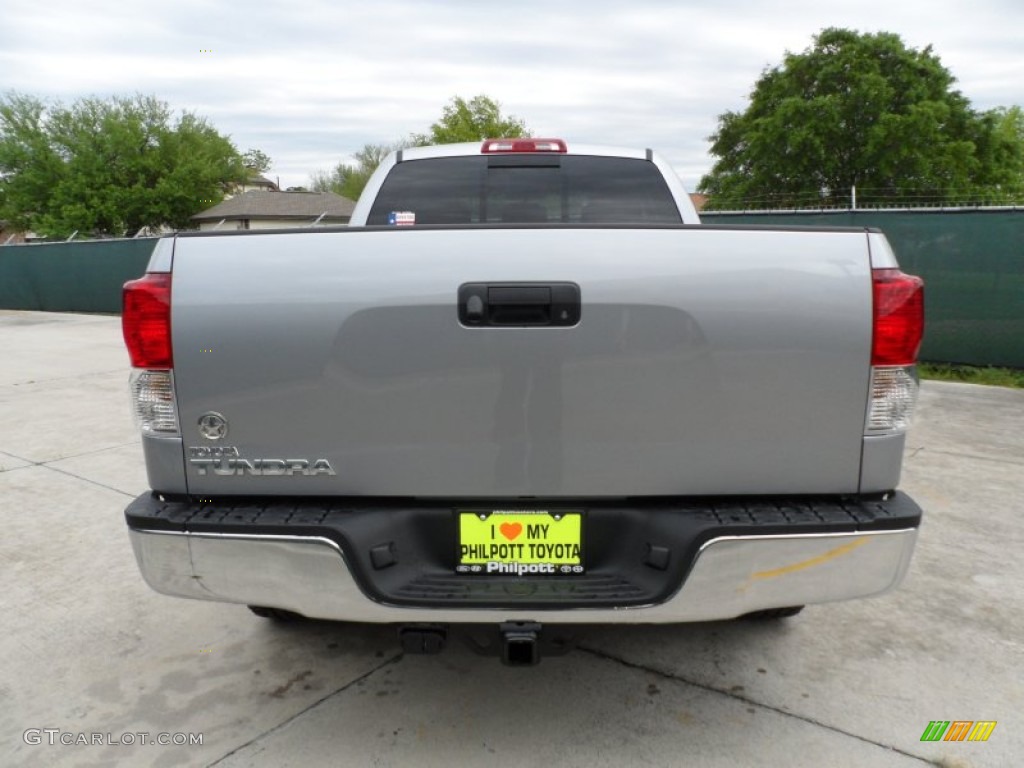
<point>637,552</point>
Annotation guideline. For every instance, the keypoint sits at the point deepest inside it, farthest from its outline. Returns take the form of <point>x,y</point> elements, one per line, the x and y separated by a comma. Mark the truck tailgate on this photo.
<point>706,361</point>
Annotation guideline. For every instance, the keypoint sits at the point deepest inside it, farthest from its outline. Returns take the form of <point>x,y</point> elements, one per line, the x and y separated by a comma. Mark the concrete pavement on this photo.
<point>87,648</point>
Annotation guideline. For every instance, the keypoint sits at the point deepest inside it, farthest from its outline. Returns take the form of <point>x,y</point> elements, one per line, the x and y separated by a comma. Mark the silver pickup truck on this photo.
<point>525,388</point>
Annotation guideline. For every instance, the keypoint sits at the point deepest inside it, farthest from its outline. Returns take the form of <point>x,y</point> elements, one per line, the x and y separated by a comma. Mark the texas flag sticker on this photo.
<point>402,218</point>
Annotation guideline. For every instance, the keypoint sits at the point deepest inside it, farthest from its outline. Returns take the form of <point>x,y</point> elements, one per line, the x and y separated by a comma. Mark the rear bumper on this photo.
<point>722,565</point>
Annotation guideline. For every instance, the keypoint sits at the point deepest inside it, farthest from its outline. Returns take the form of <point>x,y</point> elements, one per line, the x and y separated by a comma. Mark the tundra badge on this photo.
<point>224,460</point>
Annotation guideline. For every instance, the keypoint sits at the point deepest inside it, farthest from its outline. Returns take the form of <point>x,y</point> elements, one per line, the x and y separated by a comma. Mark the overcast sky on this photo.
<point>311,81</point>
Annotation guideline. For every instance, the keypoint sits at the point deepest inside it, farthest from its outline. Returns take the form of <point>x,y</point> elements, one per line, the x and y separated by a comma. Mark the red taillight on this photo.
<point>146,320</point>
<point>492,146</point>
<point>898,317</point>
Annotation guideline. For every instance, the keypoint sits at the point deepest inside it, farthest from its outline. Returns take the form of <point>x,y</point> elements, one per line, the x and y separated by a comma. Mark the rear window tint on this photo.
<point>526,189</point>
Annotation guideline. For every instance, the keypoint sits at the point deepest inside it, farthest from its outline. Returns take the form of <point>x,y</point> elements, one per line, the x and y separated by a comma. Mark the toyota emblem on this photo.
<point>213,426</point>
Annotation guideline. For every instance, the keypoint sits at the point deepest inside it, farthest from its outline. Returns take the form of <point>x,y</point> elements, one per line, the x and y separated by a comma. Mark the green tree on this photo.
<point>347,179</point>
<point>1000,148</point>
<point>474,120</point>
<point>257,161</point>
<point>108,167</point>
<point>859,110</point>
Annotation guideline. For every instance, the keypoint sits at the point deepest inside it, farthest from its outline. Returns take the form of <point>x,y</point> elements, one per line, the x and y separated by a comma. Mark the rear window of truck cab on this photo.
<point>525,189</point>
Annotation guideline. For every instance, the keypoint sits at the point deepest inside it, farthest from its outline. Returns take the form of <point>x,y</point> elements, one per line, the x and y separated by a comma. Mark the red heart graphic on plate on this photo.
<point>511,530</point>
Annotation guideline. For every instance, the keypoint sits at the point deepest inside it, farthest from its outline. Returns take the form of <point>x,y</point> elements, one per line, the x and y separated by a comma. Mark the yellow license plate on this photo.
<point>520,542</point>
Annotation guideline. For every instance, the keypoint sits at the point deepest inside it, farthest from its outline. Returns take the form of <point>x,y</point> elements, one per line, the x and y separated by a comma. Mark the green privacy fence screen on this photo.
<point>70,277</point>
<point>972,262</point>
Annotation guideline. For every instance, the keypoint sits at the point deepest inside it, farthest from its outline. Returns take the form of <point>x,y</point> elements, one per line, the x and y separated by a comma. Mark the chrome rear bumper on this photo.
<point>731,576</point>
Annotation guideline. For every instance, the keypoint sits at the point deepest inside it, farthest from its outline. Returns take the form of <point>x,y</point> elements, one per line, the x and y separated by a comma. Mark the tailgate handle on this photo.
<point>504,305</point>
